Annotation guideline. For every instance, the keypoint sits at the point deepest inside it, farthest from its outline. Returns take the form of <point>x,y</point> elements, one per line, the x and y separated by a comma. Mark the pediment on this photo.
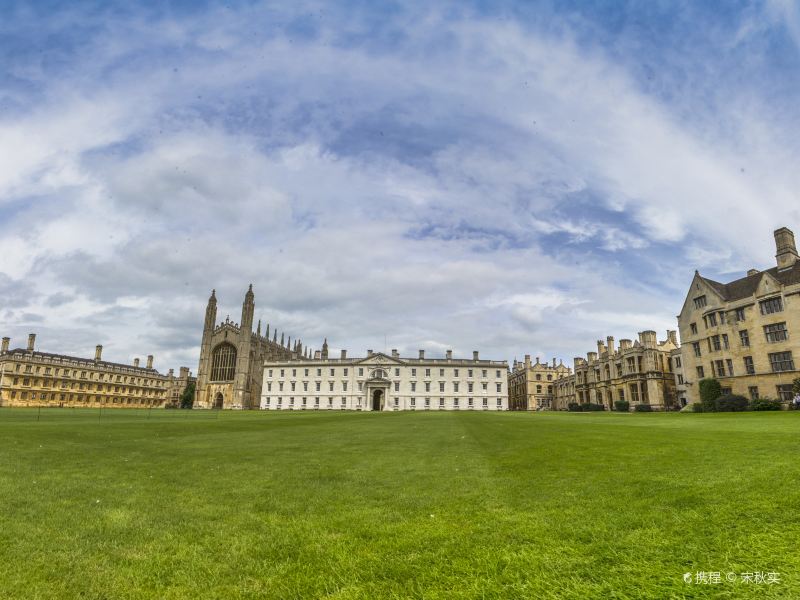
<point>767,286</point>
<point>379,358</point>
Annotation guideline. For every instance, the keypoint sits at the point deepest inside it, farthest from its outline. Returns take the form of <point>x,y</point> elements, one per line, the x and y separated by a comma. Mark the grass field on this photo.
<point>179,504</point>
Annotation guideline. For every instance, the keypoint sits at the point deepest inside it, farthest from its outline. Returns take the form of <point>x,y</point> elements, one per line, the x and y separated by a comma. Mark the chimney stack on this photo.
<point>98,352</point>
<point>135,362</point>
<point>31,341</point>
<point>672,336</point>
<point>421,354</point>
<point>184,372</point>
<point>171,373</point>
<point>601,347</point>
<point>344,355</point>
<point>786,250</point>
<point>528,361</point>
<point>624,344</point>
<point>395,353</point>
<point>474,355</point>
<point>6,342</point>
<point>149,361</point>
<point>369,352</point>
<point>449,355</point>
<point>610,344</point>
<point>753,272</point>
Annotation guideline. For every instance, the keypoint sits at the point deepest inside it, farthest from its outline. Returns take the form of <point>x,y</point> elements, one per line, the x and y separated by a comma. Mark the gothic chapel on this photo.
<point>232,358</point>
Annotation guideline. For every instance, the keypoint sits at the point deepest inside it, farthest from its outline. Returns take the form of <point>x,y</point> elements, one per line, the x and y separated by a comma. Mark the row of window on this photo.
<point>66,397</point>
<point>783,392</point>
<point>33,382</point>
<point>413,384</point>
<point>395,402</point>
<point>775,332</point>
<point>74,373</point>
<point>768,306</point>
<point>778,361</point>
<point>380,373</point>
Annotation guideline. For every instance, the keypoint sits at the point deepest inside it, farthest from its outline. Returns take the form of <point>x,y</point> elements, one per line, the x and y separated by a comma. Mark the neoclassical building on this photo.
<point>29,377</point>
<point>639,372</point>
<point>745,333</point>
<point>232,358</point>
<point>532,386</point>
<point>381,382</point>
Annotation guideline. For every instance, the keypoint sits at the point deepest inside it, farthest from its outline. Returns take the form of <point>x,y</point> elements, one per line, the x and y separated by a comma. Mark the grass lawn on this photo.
<point>398,505</point>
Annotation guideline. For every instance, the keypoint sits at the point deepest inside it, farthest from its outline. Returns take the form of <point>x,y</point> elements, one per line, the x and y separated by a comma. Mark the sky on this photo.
<point>510,177</point>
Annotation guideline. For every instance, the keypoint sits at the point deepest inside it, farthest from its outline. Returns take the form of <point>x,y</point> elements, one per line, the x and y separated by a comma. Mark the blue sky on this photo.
<point>509,177</point>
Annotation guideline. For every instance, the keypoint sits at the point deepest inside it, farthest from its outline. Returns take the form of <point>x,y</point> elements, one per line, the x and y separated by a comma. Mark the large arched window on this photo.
<point>223,362</point>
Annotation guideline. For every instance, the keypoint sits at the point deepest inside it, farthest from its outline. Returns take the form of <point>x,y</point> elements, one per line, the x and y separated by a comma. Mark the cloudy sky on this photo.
<point>514,177</point>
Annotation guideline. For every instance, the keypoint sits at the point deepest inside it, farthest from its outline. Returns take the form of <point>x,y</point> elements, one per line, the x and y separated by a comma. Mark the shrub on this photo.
<point>622,406</point>
<point>589,407</point>
<point>731,403</point>
<point>573,407</point>
<point>697,407</point>
<point>643,408</point>
<point>765,404</point>
<point>710,390</point>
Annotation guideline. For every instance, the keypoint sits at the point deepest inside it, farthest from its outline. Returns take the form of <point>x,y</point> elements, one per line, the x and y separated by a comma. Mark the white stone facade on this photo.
<point>380,382</point>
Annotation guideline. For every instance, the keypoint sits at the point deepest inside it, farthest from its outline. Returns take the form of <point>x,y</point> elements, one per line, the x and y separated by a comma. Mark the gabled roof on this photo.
<point>747,286</point>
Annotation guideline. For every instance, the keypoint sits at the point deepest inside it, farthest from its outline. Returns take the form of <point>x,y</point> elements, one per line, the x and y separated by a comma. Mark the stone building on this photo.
<point>676,363</point>
<point>232,358</point>
<point>531,386</point>
<point>381,382</point>
<point>745,333</point>
<point>32,378</point>
<point>177,385</point>
<point>639,372</point>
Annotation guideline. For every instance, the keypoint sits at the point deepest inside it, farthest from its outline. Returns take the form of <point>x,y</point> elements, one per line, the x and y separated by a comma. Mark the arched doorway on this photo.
<point>377,400</point>
<point>218,400</point>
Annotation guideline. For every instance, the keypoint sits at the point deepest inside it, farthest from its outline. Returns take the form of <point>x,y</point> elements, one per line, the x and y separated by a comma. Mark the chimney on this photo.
<point>449,355</point>
<point>98,352</point>
<point>474,355</point>
<point>528,361</point>
<point>601,347</point>
<point>554,361</point>
<point>184,372</point>
<point>395,353</point>
<point>31,341</point>
<point>344,355</point>
<point>672,336</point>
<point>6,342</point>
<point>624,344</point>
<point>753,272</point>
<point>149,361</point>
<point>421,354</point>
<point>135,362</point>
<point>317,355</point>
<point>786,250</point>
<point>369,353</point>
<point>610,344</point>
<point>171,373</point>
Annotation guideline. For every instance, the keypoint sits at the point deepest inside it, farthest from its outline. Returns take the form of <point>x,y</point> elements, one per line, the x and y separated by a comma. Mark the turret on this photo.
<point>786,251</point>
<point>149,361</point>
<point>6,342</point>
<point>98,352</point>
<point>31,341</point>
<point>211,312</point>
<point>248,309</point>
<point>324,353</point>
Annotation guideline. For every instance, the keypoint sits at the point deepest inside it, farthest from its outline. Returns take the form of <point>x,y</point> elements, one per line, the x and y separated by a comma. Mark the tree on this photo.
<point>796,386</point>
<point>710,390</point>
<point>187,397</point>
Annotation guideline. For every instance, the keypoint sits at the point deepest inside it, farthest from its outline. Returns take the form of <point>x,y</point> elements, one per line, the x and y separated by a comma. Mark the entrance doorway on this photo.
<point>218,400</point>
<point>377,400</point>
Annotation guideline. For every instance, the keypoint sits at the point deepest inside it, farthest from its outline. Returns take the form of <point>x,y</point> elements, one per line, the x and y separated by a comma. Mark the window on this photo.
<point>318,384</point>
<point>776,332</point>
<point>360,386</point>
<point>470,402</point>
<point>344,386</point>
<point>538,389</point>
<point>486,403</point>
<point>499,402</point>
<point>469,387</point>
<point>744,337</point>
<point>427,372</point>
<point>360,371</point>
<point>680,379</point>
<point>427,402</point>
<point>718,368</point>
<point>753,391</point>
<point>330,386</point>
<point>784,392</point>
<point>305,372</point>
<point>677,362</point>
<point>344,400</point>
<point>455,402</point>
<point>725,343</point>
<point>305,386</point>
<point>740,314</point>
<point>749,367</point>
<point>700,373</point>
<point>413,372</point>
<point>413,386</point>
<point>729,364</point>
<point>700,302</point>
<point>469,372</point>
<point>771,305</point>
<point>319,372</point>
<point>293,386</point>
<point>499,387</point>
<point>396,386</point>
<point>455,372</point>
<point>693,328</point>
<point>397,372</point>
<point>485,386</point>
<point>497,373</point>
<point>223,362</point>
<point>441,372</point>
<point>781,361</point>
<point>711,320</point>
<point>695,346</point>
<point>413,401</point>
<point>714,343</point>
<point>333,374</point>
<point>441,402</point>
<point>441,386</point>
<point>345,372</point>
<point>483,373</point>
<point>455,387</point>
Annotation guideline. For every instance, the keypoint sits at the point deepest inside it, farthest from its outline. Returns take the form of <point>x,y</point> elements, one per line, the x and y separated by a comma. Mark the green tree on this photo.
<point>187,397</point>
<point>796,386</point>
<point>710,390</point>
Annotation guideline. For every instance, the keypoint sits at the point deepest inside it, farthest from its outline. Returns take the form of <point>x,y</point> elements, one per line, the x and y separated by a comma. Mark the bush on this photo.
<point>643,408</point>
<point>622,406</point>
<point>573,407</point>
<point>765,404</point>
<point>710,390</point>
<point>697,407</point>
<point>731,403</point>
<point>589,407</point>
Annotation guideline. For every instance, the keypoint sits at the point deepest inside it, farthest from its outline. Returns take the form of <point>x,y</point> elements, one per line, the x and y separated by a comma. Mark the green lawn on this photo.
<point>179,504</point>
